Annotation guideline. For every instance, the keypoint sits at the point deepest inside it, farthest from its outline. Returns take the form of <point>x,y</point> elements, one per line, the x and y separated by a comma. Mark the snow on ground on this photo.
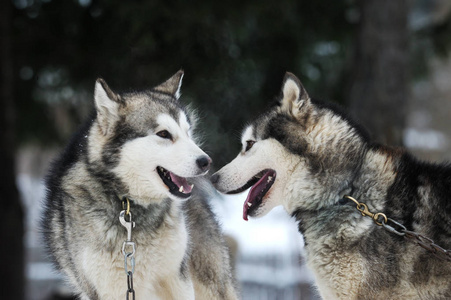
<point>269,247</point>
<point>275,232</point>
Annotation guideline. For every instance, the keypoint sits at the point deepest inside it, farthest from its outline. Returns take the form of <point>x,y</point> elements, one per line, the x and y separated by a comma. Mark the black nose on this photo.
<point>203,163</point>
<point>214,178</point>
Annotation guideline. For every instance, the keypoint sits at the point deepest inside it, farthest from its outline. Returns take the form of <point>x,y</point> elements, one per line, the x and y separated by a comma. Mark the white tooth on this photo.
<point>249,204</point>
<point>192,186</point>
<point>181,189</point>
<point>269,178</point>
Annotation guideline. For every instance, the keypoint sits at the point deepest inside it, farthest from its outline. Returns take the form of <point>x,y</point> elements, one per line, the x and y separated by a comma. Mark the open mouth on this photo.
<point>178,186</point>
<point>260,183</point>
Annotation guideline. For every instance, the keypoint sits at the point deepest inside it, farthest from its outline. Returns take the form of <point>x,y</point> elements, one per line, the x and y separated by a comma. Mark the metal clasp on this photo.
<point>129,225</point>
<point>363,208</point>
<point>128,247</point>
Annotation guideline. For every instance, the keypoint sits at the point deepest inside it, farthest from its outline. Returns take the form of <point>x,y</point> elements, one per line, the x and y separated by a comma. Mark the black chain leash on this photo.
<point>130,290</point>
<point>128,248</point>
<point>419,239</point>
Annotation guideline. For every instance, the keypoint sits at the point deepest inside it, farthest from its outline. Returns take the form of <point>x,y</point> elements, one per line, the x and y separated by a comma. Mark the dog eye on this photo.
<point>249,145</point>
<point>164,134</point>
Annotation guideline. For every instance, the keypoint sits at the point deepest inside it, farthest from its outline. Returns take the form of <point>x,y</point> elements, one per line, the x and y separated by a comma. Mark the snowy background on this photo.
<point>269,263</point>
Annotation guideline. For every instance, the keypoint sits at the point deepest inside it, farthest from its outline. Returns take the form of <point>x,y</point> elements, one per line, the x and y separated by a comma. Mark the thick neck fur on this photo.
<point>376,175</point>
<point>369,183</point>
<point>335,232</point>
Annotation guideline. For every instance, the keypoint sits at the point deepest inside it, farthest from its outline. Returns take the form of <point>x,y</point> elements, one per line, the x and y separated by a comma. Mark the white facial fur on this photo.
<point>140,158</point>
<point>264,154</point>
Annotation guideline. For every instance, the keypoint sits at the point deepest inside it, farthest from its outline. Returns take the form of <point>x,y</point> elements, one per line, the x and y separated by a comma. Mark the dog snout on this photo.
<point>203,162</point>
<point>214,178</point>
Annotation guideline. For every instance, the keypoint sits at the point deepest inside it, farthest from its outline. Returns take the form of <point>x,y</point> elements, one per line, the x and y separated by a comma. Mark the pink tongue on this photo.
<point>253,193</point>
<point>180,181</point>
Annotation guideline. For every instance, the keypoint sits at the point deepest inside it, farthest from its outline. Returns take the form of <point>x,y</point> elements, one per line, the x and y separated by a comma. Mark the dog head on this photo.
<point>143,141</point>
<point>298,154</point>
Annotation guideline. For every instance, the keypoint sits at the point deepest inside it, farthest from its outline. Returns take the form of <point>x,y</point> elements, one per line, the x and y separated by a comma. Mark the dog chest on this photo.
<point>158,263</point>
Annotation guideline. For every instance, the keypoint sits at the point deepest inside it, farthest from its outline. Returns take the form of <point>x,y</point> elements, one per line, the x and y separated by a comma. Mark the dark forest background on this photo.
<point>361,54</point>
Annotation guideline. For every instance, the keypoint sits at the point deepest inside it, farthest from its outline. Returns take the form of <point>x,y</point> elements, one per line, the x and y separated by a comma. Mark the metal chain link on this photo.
<point>128,248</point>
<point>130,290</point>
<point>421,240</point>
<point>429,245</point>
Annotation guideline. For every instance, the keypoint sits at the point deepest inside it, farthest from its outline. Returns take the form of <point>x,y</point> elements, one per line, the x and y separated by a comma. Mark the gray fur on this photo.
<point>322,155</point>
<point>84,190</point>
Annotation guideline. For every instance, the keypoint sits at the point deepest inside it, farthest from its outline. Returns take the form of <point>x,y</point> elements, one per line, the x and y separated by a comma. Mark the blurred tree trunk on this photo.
<point>12,283</point>
<point>379,87</point>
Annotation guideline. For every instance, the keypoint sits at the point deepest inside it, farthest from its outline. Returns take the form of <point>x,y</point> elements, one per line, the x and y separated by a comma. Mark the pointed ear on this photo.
<point>294,96</point>
<point>107,106</point>
<point>172,85</point>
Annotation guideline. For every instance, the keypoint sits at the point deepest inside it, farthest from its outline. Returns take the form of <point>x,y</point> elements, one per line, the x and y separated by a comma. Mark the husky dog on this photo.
<point>307,156</point>
<point>137,145</point>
